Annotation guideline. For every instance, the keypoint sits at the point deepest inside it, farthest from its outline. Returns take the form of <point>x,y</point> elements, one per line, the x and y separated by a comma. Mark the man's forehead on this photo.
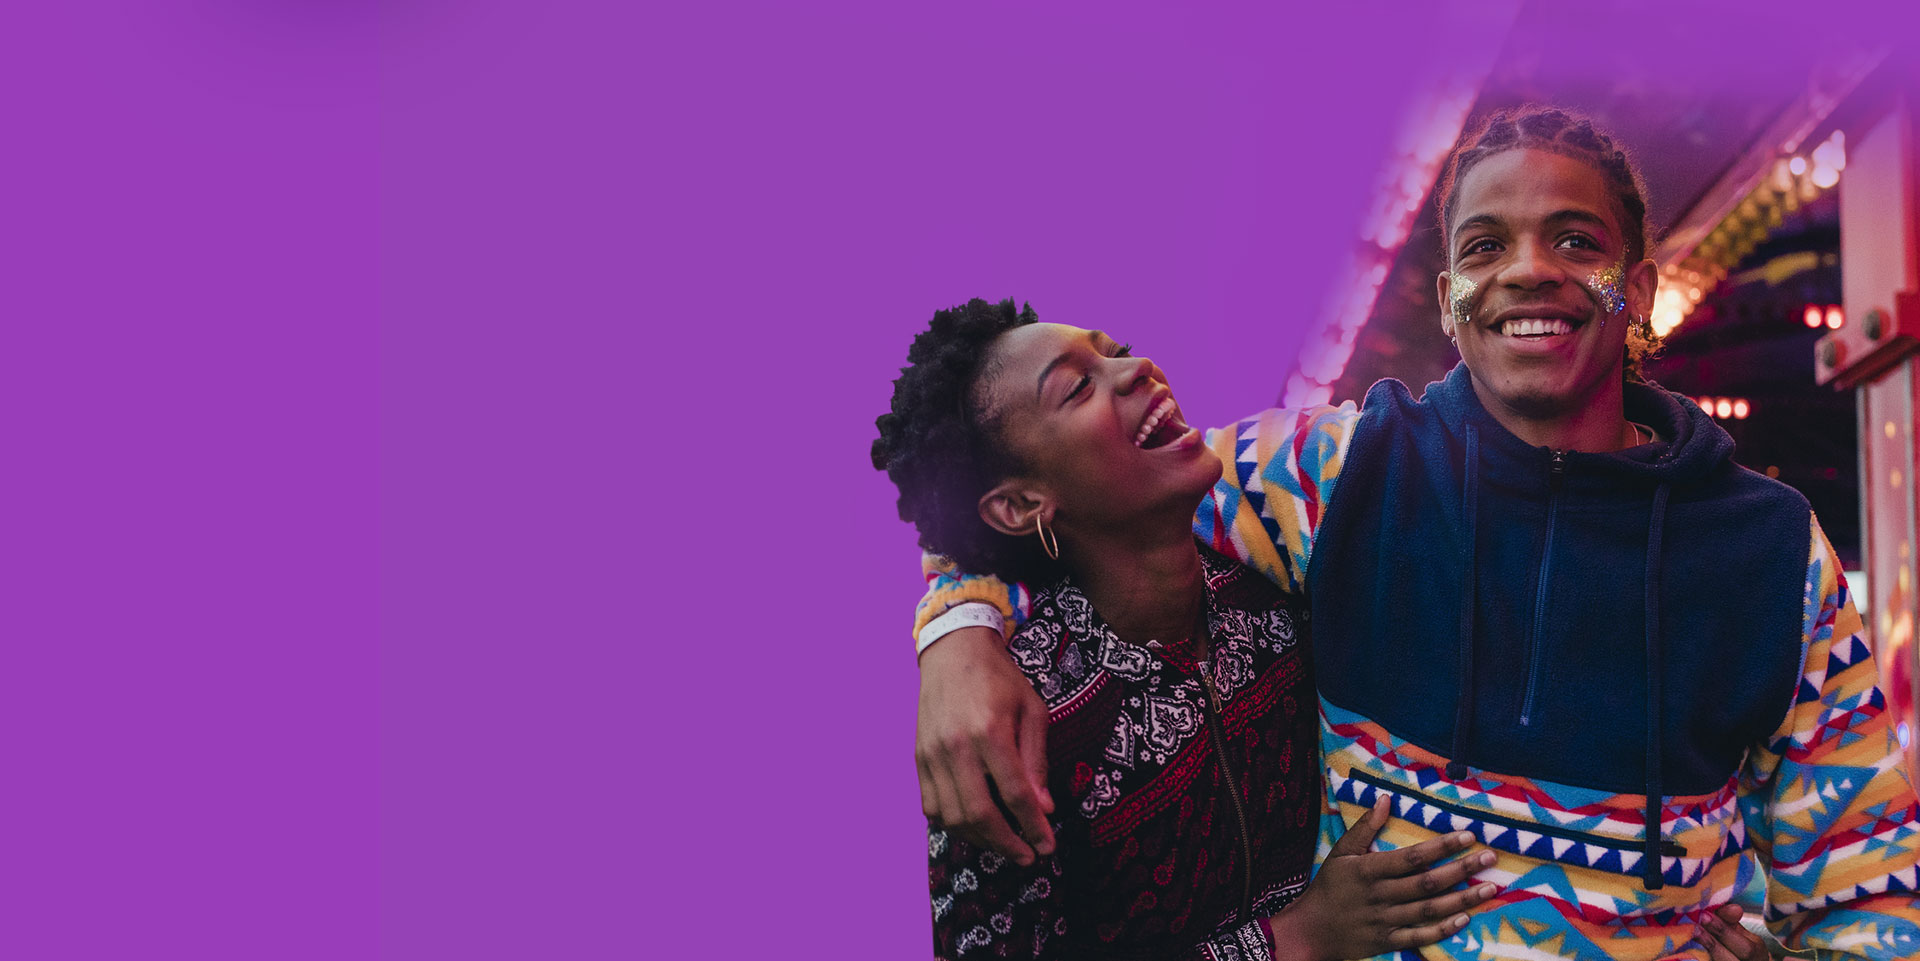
<point>1534,185</point>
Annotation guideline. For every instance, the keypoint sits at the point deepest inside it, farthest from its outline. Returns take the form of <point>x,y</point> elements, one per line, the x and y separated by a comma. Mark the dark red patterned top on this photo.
<point>1150,860</point>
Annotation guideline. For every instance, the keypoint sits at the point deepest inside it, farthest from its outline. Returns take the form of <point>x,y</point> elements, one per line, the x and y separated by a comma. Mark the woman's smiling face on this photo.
<point>1096,428</point>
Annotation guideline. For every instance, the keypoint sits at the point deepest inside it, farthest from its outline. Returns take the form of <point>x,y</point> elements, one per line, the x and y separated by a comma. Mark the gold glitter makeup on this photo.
<point>1609,288</point>
<point>1461,291</point>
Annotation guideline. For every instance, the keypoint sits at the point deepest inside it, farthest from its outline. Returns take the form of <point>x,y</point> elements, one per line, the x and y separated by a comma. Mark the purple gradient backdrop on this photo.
<point>648,686</point>
<point>188,706</point>
<point>441,525</point>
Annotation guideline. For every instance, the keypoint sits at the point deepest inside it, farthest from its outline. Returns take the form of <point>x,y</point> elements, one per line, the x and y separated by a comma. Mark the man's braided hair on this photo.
<point>942,449</point>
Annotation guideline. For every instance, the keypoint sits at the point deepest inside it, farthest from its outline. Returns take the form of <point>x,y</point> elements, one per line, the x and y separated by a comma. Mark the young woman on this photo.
<point>1181,701</point>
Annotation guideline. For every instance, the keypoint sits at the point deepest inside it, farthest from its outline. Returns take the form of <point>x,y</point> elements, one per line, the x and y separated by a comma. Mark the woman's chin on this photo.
<point>1206,470</point>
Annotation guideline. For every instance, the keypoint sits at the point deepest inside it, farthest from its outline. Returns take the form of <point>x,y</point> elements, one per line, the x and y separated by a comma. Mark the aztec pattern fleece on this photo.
<point>1824,802</point>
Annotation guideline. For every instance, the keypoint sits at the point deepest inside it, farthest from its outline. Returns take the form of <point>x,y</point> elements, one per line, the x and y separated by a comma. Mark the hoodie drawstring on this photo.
<point>1651,873</point>
<point>1463,710</point>
<point>1650,868</point>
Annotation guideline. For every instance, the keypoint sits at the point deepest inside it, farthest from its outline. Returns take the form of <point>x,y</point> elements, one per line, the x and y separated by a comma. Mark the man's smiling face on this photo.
<point>1538,255</point>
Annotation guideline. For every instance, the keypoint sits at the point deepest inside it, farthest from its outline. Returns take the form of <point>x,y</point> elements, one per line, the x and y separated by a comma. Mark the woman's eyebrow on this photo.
<point>1041,386</point>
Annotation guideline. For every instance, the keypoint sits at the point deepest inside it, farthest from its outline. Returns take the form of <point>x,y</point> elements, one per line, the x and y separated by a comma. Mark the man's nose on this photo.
<point>1531,266</point>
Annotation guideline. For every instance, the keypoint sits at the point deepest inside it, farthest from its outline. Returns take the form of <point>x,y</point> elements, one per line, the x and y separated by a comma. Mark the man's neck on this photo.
<point>1598,427</point>
<point>1145,582</point>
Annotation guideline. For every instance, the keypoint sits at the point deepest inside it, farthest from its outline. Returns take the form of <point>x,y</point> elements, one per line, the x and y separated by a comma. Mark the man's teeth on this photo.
<point>1161,412</point>
<point>1522,328</point>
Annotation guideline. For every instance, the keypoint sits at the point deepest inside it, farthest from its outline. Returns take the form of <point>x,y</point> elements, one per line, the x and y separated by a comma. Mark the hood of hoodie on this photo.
<point>1692,448</point>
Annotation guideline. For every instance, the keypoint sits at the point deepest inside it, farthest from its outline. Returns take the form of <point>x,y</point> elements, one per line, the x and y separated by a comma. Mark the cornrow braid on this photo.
<point>1570,135</point>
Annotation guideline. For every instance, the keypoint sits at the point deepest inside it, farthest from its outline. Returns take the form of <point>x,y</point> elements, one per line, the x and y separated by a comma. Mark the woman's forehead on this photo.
<point>1035,345</point>
<point>1021,357</point>
<point>1043,333</point>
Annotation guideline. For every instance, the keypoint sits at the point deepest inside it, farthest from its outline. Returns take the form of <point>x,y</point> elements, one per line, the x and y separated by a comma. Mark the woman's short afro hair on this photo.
<point>943,451</point>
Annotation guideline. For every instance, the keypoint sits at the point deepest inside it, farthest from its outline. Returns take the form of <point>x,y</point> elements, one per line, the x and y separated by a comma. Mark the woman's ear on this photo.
<point>1013,506</point>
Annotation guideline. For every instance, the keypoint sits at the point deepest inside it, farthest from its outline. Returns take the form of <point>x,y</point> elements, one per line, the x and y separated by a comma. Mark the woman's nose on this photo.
<point>1134,371</point>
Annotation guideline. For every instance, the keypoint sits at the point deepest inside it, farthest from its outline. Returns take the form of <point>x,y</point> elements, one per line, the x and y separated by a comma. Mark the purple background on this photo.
<point>648,685</point>
<point>440,524</point>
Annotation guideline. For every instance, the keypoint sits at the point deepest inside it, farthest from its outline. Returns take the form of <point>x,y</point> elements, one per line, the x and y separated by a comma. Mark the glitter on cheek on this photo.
<point>1608,287</point>
<point>1461,290</point>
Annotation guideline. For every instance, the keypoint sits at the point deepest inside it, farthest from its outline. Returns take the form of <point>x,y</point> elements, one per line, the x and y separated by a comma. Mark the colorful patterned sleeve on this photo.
<point>1280,468</point>
<point>1828,801</point>
<point>948,586</point>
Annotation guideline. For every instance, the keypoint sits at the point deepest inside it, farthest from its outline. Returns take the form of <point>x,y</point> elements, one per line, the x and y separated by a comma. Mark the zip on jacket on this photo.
<point>1214,710</point>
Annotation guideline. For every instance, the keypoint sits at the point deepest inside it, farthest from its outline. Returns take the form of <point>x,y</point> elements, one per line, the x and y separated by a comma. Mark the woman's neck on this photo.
<point>1146,584</point>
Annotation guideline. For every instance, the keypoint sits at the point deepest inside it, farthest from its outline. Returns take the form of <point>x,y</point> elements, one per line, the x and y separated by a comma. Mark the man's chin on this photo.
<point>1538,405</point>
<point>1531,398</point>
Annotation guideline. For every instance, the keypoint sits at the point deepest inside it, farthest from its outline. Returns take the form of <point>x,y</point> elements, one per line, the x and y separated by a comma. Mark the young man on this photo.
<point>1547,609</point>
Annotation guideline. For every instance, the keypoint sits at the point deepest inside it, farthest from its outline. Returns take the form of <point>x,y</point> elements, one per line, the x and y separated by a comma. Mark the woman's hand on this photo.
<point>1364,902</point>
<point>982,730</point>
<point>1726,940</point>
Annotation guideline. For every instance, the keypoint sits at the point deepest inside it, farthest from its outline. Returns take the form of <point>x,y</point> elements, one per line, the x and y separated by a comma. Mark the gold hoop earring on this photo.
<point>1048,542</point>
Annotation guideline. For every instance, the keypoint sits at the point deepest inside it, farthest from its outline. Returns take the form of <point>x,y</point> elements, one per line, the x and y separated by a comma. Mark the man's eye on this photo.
<point>1079,385</point>
<point>1580,241</point>
<point>1481,246</point>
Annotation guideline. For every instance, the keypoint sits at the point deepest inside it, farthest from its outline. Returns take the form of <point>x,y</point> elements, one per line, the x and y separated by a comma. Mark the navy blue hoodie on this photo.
<point>1628,622</point>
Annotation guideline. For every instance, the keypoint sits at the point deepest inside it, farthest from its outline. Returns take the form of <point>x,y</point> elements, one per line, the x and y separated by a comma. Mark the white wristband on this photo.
<point>970,614</point>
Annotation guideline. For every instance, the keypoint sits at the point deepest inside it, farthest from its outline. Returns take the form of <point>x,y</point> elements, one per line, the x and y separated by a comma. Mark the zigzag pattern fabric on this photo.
<point>1265,508</point>
<point>1826,805</point>
<point>947,585</point>
<point>1828,802</point>
<point>1568,867</point>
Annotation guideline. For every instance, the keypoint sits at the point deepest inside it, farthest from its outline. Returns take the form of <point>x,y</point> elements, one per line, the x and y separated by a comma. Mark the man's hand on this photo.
<point>982,731</point>
<point>1726,940</point>
<point>1364,903</point>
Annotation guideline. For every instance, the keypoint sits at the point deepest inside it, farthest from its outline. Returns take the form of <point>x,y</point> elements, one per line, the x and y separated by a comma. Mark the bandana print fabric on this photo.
<point>1150,862</point>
